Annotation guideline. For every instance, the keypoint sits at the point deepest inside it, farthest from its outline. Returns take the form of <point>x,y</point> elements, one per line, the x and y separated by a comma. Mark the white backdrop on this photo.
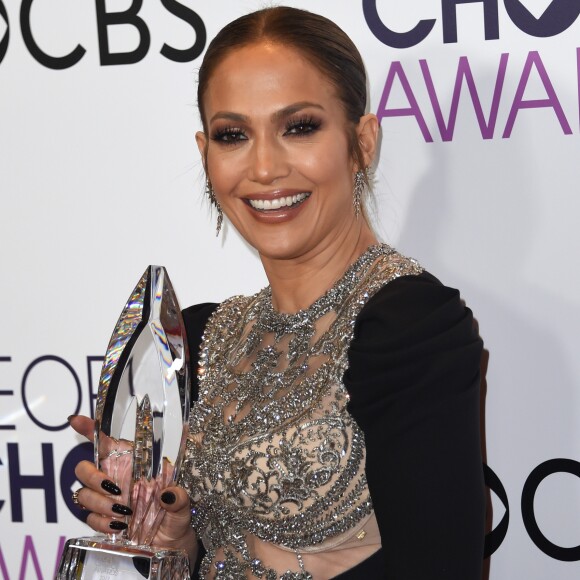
<point>100,176</point>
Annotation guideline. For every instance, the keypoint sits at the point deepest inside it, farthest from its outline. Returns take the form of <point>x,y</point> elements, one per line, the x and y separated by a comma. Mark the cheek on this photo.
<point>223,172</point>
<point>330,163</point>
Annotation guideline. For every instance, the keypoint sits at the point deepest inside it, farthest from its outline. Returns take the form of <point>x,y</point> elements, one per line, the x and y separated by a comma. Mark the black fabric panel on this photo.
<point>413,382</point>
<point>195,318</point>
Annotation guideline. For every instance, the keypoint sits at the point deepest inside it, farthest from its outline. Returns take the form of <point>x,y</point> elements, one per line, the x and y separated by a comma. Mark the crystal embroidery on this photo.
<point>273,452</point>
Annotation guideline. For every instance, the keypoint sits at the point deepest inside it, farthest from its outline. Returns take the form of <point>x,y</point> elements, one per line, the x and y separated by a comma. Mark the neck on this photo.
<point>298,282</point>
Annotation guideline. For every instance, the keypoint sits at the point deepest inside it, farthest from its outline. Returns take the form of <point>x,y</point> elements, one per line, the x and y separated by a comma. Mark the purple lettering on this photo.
<point>61,543</point>
<point>487,128</point>
<point>29,553</point>
<point>3,567</point>
<point>552,101</point>
<point>413,110</point>
<point>29,549</point>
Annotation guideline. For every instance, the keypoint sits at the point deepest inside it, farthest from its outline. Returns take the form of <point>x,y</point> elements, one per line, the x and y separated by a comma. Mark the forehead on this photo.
<point>264,77</point>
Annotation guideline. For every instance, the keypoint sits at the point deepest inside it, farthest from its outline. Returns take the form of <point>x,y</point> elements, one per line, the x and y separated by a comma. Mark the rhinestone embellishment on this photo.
<point>273,452</point>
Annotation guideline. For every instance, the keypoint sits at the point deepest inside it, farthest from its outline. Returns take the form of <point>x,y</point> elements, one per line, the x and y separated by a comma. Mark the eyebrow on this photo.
<point>281,114</point>
<point>294,108</point>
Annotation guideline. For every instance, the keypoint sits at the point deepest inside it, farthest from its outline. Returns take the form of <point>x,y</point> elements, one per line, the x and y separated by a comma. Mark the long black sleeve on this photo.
<point>195,318</point>
<point>413,380</point>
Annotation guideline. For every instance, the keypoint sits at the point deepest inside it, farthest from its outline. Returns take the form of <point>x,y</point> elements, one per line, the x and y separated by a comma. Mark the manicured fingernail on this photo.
<point>117,525</point>
<point>109,486</point>
<point>168,497</point>
<point>121,509</point>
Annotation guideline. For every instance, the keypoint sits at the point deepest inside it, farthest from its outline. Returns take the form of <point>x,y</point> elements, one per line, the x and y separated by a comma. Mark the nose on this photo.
<point>268,160</point>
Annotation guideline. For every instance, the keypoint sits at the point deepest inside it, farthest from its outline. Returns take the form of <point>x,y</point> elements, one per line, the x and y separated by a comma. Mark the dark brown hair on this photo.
<point>317,38</point>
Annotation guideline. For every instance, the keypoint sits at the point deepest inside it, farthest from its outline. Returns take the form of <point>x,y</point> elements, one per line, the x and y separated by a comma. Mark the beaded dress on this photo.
<point>273,453</point>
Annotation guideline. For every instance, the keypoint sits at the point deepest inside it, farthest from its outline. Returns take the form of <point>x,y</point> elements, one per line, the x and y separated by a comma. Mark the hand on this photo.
<point>107,500</point>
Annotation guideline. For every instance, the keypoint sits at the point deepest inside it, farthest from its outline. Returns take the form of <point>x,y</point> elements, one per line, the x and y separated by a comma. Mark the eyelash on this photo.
<point>229,135</point>
<point>300,127</point>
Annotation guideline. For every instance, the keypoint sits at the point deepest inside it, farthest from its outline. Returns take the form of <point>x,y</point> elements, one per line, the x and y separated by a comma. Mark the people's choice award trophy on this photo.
<point>141,423</point>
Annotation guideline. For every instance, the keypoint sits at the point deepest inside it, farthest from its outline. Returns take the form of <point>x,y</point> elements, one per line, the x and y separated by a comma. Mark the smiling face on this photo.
<point>277,152</point>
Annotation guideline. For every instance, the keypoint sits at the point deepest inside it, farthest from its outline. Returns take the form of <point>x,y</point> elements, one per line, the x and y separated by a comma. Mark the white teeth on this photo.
<point>271,204</point>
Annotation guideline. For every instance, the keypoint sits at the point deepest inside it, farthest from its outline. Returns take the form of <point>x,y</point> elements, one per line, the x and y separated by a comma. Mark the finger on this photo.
<point>105,525</point>
<point>175,499</point>
<point>86,427</point>
<point>111,447</point>
<point>96,480</point>
<point>101,504</point>
<point>83,426</point>
<point>177,521</point>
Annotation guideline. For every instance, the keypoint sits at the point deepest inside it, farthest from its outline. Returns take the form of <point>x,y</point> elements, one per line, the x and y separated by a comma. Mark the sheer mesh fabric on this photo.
<point>275,464</point>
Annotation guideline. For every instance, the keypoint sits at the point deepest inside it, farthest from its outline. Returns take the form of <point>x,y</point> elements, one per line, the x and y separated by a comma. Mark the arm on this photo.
<point>195,319</point>
<point>414,386</point>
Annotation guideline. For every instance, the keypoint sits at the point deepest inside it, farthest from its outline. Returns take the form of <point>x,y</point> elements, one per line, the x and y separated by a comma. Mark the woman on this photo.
<point>336,429</point>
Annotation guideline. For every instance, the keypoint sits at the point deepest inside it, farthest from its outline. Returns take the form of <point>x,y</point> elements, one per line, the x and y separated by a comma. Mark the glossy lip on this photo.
<point>278,215</point>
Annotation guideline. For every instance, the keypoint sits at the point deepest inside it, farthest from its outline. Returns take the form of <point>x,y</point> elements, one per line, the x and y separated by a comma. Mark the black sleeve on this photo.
<point>413,382</point>
<point>195,318</point>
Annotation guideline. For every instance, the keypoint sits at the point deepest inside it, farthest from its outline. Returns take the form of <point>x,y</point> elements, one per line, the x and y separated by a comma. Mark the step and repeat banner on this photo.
<point>478,178</point>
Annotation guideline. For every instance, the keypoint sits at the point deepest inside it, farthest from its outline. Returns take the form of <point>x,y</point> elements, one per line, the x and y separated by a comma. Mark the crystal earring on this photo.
<point>213,200</point>
<point>360,183</point>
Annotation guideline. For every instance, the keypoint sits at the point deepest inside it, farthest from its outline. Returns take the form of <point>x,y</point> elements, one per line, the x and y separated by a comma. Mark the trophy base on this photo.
<point>97,558</point>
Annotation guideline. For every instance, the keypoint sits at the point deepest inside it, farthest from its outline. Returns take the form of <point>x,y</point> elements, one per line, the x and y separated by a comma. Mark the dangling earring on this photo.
<point>360,183</point>
<point>213,200</point>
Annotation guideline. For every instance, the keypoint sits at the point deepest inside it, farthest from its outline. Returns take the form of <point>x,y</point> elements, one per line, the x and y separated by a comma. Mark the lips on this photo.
<point>278,203</point>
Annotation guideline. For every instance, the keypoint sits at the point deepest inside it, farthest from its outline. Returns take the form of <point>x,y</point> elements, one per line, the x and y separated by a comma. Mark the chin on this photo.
<point>279,252</point>
<point>280,249</point>
<point>273,241</point>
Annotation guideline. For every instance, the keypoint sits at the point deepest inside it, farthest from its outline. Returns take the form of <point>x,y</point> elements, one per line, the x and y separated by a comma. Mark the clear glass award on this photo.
<point>141,423</point>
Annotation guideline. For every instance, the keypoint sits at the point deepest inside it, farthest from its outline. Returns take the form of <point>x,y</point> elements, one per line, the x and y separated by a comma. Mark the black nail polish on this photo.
<point>117,525</point>
<point>168,497</point>
<point>122,509</point>
<point>109,486</point>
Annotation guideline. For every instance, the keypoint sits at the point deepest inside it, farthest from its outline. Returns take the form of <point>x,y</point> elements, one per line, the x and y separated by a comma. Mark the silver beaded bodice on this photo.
<point>273,455</point>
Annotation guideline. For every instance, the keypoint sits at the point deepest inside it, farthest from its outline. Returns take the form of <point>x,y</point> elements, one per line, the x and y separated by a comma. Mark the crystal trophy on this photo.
<point>141,423</point>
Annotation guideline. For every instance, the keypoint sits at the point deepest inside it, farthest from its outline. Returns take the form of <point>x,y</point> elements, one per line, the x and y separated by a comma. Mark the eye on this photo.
<point>229,135</point>
<point>302,126</point>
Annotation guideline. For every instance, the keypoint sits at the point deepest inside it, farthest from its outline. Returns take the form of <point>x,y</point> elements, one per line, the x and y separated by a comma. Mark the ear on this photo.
<point>201,140</point>
<point>367,134</point>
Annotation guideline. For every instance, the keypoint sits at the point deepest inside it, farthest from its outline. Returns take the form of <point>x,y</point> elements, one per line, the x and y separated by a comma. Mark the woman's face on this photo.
<point>277,152</point>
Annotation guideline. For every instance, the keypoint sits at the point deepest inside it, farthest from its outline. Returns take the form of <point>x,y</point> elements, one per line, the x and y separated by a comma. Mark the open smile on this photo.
<point>289,201</point>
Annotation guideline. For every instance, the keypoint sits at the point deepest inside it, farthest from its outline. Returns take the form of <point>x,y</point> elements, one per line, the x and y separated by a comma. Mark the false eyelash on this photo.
<point>308,122</point>
<point>234,132</point>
